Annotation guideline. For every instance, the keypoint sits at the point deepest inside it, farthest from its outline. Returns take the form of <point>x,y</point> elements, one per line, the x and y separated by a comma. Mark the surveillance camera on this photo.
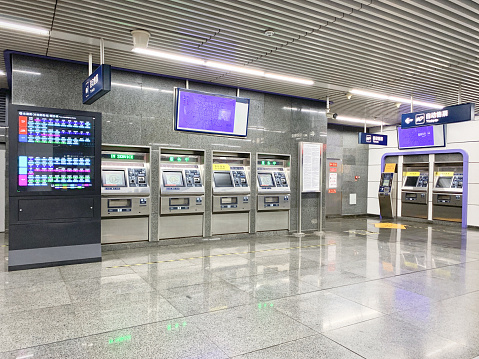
<point>331,115</point>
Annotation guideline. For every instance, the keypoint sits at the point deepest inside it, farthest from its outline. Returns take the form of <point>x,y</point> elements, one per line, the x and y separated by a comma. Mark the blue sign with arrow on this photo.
<point>97,84</point>
<point>372,139</point>
<point>449,114</point>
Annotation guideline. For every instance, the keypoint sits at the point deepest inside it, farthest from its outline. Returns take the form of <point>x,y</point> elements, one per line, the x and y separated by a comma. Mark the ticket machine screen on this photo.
<point>173,179</point>
<point>113,178</point>
<point>444,182</point>
<point>411,181</point>
<point>222,179</point>
<point>265,180</point>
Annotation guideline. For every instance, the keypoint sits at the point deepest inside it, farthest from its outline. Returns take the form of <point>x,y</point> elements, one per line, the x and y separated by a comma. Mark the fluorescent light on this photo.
<point>135,86</point>
<point>167,91</point>
<point>244,70</point>
<point>394,98</point>
<point>25,28</point>
<point>220,65</point>
<point>27,72</point>
<point>370,94</point>
<point>289,79</point>
<point>169,56</point>
<point>358,120</point>
<point>2,73</point>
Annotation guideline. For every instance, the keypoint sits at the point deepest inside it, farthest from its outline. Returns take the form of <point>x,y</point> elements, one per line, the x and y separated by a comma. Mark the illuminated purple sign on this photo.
<point>210,113</point>
<point>426,136</point>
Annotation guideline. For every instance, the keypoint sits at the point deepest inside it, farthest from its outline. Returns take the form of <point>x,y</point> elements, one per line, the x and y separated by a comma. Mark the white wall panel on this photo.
<point>462,132</point>
<point>373,206</point>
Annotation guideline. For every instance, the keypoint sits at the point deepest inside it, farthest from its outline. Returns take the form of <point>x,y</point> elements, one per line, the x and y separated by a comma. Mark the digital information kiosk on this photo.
<point>54,187</point>
<point>182,194</point>
<point>414,192</point>
<point>273,192</point>
<point>231,193</point>
<point>447,192</point>
<point>388,192</point>
<point>125,194</point>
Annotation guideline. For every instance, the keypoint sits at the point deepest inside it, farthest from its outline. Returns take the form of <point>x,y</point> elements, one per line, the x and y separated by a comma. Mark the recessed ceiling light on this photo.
<point>2,73</point>
<point>24,28</point>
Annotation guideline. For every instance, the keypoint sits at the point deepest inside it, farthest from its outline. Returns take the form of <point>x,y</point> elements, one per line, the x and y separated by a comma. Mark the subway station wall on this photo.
<point>342,143</point>
<point>459,136</point>
<point>133,116</point>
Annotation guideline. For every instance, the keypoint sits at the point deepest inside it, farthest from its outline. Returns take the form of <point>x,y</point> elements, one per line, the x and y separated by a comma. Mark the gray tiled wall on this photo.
<point>343,144</point>
<point>142,117</point>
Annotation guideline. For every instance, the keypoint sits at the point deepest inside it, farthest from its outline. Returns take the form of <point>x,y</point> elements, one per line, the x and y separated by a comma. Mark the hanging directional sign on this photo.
<point>449,114</point>
<point>372,139</point>
<point>97,84</point>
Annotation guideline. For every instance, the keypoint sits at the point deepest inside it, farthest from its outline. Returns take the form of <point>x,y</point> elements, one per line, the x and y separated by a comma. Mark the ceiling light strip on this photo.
<point>394,98</point>
<point>23,28</point>
<point>220,65</point>
<point>359,120</point>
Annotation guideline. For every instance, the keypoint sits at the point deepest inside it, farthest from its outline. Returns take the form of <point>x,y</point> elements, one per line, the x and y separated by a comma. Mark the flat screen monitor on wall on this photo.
<point>211,113</point>
<point>420,137</point>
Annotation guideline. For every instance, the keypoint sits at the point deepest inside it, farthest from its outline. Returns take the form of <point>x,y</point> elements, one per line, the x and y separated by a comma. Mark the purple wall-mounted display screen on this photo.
<point>211,113</point>
<point>417,137</point>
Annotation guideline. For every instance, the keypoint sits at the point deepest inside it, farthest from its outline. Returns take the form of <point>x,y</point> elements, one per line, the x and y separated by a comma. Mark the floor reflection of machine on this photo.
<point>125,202</point>
<point>447,192</point>
<point>182,194</point>
<point>231,193</point>
<point>414,192</point>
<point>274,194</point>
<point>387,195</point>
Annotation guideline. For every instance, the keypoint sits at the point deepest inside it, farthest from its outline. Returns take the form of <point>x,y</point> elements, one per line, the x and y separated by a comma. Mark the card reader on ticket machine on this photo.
<point>231,193</point>
<point>182,194</point>
<point>274,193</point>
<point>125,202</point>
<point>447,192</point>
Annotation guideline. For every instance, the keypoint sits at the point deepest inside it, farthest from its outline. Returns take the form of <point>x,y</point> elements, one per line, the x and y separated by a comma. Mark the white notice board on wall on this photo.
<point>310,160</point>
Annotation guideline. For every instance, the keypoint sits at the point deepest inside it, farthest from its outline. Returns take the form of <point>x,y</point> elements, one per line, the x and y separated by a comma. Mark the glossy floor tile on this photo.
<point>355,292</point>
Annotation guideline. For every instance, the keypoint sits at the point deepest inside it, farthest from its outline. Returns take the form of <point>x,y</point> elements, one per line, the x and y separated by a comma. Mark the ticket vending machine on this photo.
<point>125,194</point>
<point>388,195</point>
<point>447,192</point>
<point>414,192</point>
<point>182,194</point>
<point>231,193</point>
<point>273,192</point>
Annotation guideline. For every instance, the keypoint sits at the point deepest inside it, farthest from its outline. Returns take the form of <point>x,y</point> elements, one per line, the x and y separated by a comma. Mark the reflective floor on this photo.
<point>358,291</point>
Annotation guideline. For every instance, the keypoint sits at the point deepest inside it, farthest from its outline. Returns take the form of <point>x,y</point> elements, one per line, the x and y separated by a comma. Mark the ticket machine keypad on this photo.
<point>457,181</point>
<point>280,179</point>
<point>239,178</point>
<point>422,181</point>
<point>193,178</point>
<point>137,177</point>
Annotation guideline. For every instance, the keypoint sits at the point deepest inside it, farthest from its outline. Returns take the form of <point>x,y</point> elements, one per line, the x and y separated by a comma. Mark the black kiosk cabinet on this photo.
<point>54,187</point>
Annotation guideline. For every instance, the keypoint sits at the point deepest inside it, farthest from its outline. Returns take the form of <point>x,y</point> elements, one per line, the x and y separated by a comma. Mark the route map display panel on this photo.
<point>211,113</point>
<point>55,152</point>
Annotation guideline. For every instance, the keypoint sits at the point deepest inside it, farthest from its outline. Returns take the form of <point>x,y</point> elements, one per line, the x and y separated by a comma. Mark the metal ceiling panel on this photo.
<point>423,48</point>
